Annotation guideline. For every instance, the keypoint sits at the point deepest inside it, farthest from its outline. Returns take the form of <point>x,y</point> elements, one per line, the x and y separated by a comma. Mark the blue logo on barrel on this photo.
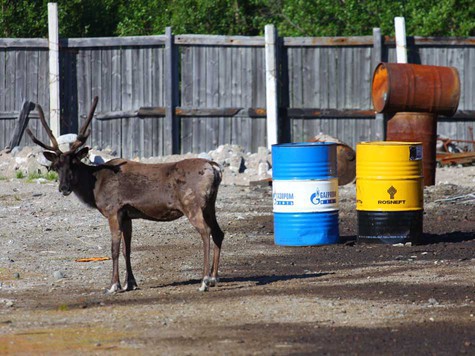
<point>323,198</point>
<point>283,198</point>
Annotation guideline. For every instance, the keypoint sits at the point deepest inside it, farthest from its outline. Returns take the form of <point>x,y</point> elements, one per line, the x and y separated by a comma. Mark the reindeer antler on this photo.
<point>55,146</point>
<point>84,132</point>
<point>80,140</point>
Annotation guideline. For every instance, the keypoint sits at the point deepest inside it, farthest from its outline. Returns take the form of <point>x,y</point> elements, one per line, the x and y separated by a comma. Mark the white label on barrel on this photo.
<point>415,153</point>
<point>305,196</point>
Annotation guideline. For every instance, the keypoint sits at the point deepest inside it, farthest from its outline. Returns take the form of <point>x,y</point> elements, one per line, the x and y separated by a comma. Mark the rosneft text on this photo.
<point>391,202</point>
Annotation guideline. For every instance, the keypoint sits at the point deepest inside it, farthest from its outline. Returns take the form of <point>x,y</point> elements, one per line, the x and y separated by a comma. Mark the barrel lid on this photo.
<point>304,144</point>
<point>389,143</point>
<point>380,87</point>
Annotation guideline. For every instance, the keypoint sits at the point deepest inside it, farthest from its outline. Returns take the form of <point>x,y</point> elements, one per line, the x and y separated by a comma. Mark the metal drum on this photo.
<point>417,127</point>
<point>389,191</point>
<point>305,193</point>
<point>400,87</point>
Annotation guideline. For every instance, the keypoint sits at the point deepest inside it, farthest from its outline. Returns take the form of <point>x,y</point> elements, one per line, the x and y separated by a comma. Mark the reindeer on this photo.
<point>124,190</point>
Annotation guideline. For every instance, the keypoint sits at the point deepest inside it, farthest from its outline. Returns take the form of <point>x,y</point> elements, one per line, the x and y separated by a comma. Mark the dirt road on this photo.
<point>347,298</point>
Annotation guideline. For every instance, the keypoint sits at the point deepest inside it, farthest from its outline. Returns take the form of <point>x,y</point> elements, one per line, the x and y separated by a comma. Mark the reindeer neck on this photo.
<point>84,190</point>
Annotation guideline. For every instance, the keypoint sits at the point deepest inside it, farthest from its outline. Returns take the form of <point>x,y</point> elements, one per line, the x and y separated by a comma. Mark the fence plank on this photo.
<point>225,68</point>
<point>32,77</point>
<point>158,98</point>
<point>128,135</point>
<point>95,75</point>
<point>105,98</point>
<point>236,97</point>
<point>3,125</point>
<point>10,69</point>
<point>116,100</point>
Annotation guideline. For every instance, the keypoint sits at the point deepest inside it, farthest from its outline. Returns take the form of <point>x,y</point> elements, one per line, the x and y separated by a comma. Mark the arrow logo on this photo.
<point>392,192</point>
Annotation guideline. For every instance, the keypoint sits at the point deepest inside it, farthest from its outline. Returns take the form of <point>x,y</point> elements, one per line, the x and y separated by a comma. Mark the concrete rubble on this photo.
<point>240,167</point>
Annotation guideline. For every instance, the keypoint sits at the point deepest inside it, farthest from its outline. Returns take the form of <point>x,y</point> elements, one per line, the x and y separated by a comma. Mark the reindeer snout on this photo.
<point>65,190</point>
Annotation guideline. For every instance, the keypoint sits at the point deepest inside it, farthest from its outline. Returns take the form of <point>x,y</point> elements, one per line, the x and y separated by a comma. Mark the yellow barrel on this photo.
<point>389,191</point>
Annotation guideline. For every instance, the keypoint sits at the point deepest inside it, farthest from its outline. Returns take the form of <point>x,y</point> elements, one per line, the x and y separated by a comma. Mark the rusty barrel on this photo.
<point>389,191</point>
<point>346,158</point>
<point>404,87</point>
<point>417,127</point>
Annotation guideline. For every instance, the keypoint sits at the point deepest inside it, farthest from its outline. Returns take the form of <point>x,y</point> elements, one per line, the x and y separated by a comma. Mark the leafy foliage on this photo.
<point>89,18</point>
<point>77,18</point>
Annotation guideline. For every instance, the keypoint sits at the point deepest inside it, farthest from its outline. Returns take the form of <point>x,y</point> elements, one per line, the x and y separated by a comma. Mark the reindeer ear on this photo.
<point>50,156</point>
<point>82,153</point>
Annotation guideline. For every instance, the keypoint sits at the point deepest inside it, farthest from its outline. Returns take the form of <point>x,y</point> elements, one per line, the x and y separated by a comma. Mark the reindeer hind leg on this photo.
<point>116,235</point>
<point>197,219</point>
<point>218,237</point>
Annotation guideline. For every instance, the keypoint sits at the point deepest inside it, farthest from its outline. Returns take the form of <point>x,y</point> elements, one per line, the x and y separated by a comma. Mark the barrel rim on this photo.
<point>459,92</point>
<point>388,80</point>
<point>303,144</point>
<point>389,143</point>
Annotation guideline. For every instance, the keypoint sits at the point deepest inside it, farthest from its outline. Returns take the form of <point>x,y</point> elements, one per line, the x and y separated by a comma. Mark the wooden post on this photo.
<point>172,125</point>
<point>377,57</point>
<point>272,102</point>
<point>54,103</point>
<point>401,47</point>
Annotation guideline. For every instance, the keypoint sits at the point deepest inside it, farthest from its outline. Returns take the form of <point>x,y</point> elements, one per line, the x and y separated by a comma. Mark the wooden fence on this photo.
<point>192,93</point>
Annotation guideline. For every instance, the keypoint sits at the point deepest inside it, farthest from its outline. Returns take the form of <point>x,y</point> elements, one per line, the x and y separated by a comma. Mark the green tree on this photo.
<point>189,16</point>
<point>21,18</point>
<point>358,17</point>
<point>440,18</point>
<point>77,18</point>
<point>89,18</point>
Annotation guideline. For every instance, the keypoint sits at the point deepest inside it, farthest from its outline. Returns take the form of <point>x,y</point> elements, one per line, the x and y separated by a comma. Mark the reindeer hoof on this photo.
<point>204,287</point>
<point>204,284</point>
<point>130,286</point>
<point>113,289</point>
<point>213,281</point>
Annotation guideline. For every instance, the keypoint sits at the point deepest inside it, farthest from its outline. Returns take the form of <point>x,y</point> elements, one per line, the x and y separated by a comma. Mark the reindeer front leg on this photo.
<point>116,235</point>
<point>130,283</point>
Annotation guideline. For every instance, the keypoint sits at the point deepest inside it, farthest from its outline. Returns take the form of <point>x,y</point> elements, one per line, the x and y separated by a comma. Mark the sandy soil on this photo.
<point>347,298</point>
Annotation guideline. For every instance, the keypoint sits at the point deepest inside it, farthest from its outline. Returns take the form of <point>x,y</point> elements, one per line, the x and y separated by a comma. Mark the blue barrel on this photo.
<point>305,193</point>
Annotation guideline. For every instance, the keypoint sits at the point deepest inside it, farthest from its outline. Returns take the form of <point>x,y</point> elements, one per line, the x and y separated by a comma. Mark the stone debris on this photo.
<point>240,167</point>
<point>58,275</point>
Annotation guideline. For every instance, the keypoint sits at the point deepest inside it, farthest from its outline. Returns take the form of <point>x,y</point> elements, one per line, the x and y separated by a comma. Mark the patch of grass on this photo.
<point>20,175</point>
<point>49,176</point>
<point>63,307</point>
<point>34,175</point>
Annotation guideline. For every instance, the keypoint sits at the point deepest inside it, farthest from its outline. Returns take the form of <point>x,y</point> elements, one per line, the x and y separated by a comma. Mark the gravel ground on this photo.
<point>347,298</point>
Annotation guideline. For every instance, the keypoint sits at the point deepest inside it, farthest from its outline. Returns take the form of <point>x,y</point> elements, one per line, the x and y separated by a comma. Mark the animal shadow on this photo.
<point>456,236</point>
<point>258,280</point>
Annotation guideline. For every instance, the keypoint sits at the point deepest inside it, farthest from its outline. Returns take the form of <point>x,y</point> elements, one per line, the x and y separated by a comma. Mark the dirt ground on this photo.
<point>347,298</point>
